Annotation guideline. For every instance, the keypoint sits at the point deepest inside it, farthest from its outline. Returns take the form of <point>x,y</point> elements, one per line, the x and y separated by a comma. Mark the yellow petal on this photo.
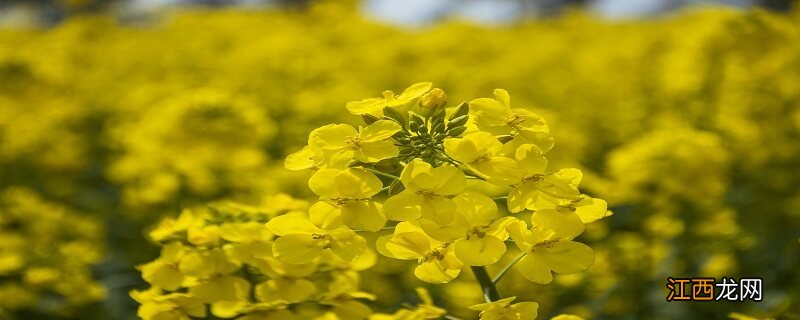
<point>347,244</point>
<point>163,275</point>
<point>306,158</point>
<point>351,310</point>
<point>245,232</point>
<point>501,303</point>
<point>554,225</point>
<point>224,288</point>
<point>404,246</point>
<point>362,215</point>
<point>357,183</point>
<point>533,122</point>
<point>558,188</point>
<point>571,175</point>
<point>480,251</point>
<point>291,223</point>
<point>489,112</point>
<point>405,206</point>
<point>227,309</point>
<point>379,130</point>
<point>477,208</point>
<point>523,238</point>
<point>530,159</point>
<point>376,151</point>
<point>497,169</point>
<point>499,228</point>
<point>526,310</point>
<point>203,264</point>
<point>322,183</point>
<point>472,147</point>
<point>415,90</point>
<point>591,209</point>
<point>439,209</point>
<point>332,136</point>
<point>373,106</point>
<point>502,96</point>
<point>522,197</point>
<point>297,248</point>
<point>534,269</point>
<point>444,180</point>
<point>455,230</point>
<point>434,272</point>
<point>325,214</point>
<point>288,290</point>
<point>567,256</point>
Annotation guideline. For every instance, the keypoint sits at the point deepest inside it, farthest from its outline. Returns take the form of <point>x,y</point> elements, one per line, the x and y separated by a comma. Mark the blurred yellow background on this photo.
<point>688,123</point>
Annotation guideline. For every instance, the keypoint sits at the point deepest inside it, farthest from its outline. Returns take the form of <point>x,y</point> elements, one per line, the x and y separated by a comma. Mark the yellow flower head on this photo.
<point>345,198</point>
<point>339,144</point>
<point>432,102</point>
<point>436,262</point>
<point>503,309</point>
<point>427,193</point>
<point>497,117</point>
<point>476,232</point>
<point>374,106</point>
<point>549,247</point>
<point>480,152</point>
<point>533,184</point>
<point>302,242</point>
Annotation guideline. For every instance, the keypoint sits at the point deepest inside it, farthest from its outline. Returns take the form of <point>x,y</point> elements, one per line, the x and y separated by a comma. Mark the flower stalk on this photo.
<point>490,293</point>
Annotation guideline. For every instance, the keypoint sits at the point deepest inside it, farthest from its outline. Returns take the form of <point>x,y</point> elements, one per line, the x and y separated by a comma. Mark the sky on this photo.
<point>416,12</point>
<point>420,12</point>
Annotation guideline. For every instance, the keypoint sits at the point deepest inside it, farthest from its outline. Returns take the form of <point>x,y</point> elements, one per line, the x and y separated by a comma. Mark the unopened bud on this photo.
<point>432,101</point>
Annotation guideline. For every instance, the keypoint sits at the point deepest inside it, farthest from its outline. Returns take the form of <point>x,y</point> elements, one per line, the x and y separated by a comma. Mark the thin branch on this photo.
<point>505,270</point>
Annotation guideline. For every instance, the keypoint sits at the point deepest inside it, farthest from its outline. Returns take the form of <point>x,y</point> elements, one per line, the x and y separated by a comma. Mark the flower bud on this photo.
<point>432,101</point>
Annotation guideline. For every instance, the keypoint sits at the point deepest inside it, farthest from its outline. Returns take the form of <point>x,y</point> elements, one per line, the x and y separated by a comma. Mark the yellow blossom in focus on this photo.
<point>374,106</point>
<point>505,310</point>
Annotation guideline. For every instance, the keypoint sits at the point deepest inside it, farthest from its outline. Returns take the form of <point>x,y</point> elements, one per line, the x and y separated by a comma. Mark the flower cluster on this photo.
<point>222,260</point>
<point>428,162</point>
<point>46,250</point>
<point>413,168</point>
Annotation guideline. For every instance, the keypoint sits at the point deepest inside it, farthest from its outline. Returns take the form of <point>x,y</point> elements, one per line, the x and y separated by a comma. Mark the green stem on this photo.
<point>489,290</point>
<point>380,173</point>
<point>506,268</point>
<point>249,277</point>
